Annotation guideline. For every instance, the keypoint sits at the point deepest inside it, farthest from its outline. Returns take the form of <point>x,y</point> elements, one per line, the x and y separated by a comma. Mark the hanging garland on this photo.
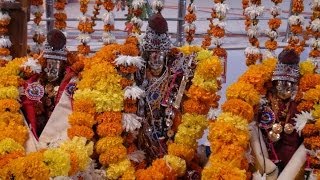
<point>252,11</point>
<point>85,27</point>
<point>37,30</point>
<point>108,19</point>
<point>295,22</point>
<point>60,15</point>
<point>229,133</point>
<point>189,26</point>
<point>96,10</point>
<point>274,24</point>
<point>314,30</point>
<point>201,97</point>
<point>5,42</point>
<point>136,11</point>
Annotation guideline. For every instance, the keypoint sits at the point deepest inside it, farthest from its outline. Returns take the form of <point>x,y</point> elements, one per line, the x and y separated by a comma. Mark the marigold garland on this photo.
<point>313,29</point>
<point>6,43</point>
<point>108,19</point>
<point>60,15</point>
<point>85,27</point>
<point>189,26</point>
<point>37,30</point>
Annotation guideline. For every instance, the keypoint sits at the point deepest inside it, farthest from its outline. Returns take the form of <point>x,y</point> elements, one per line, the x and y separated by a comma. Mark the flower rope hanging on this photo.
<point>108,19</point>
<point>189,26</point>
<point>37,30</point>
<point>60,15</point>
<point>96,10</point>
<point>296,21</point>
<point>5,42</point>
<point>85,27</point>
<point>314,30</point>
<point>253,9</point>
<point>274,24</point>
<point>136,10</point>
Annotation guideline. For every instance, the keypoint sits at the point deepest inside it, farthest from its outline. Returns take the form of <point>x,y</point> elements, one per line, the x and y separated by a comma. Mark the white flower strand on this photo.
<point>108,38</point>
<point>296,19</point>
<point>221,10</point>
<point>136,4</point>
<point>84,38</point>
<point>5,42</point>
<point>108,18</point>
<point>254,11</point>
<point>4,16</point>
<point>157,5</point>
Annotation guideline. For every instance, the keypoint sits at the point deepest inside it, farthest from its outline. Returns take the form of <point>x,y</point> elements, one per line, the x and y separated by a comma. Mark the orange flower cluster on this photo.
<point>239,107</point>
<point>314,53</point>
<point>190,18</point>
<point>60,15</point>
<point>96,10</point>
<point>274,24</point>
<point>37,37</point>
<point>83,49</point>
<point>85,26</point>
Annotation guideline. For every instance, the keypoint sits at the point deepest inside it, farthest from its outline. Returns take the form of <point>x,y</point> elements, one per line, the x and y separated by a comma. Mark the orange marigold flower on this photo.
<point>296,29</point>
<point>195,106</point>
<point>113,155</point>
<point>181,151</point>
<point>11,118</point>
<point>84,105</point>
<point>9,105</point>
<point>297,6</point>
<point>19,133</point>
<point>244,91</point>
<point>129,50</point>
<point>240,108</point>
<point>109,117</point>
<point>143,174</point>
<point>305,106</point>
<point>160,165</point>
<point>80,131</point>
<point>190,17</point>
<point>6,158</point>
<point>109,129</point>
<point>312,142</point>
<point>271,45</point>
<point>81,119</point>
<point>274,23</point>
<point>310,130</point>
<point>74,164</point>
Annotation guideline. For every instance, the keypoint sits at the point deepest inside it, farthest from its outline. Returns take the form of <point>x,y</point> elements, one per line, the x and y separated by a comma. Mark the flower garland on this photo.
<point>296,21</point>
<point>307,122</point>
<point>108,19</point>
<point>136,11</point>
<point>252,11</point>
<point>274,24</point>
<point>229,134</point>
<point>60,15</point>
<point>96,12</point>
<point>5,42</point>
<point>37,30</point>
<point>314,29</point>
<point>85,27</point>
<point>201,97</point>
<point>189,26</point>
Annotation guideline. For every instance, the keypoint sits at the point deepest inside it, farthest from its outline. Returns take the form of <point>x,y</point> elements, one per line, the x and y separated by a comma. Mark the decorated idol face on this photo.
<point>285,89</point>
<point>156,62</point>
<point>53,69</point>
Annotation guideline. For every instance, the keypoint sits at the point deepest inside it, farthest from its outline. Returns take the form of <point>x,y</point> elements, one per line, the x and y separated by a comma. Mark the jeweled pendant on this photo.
<point>169,122</point>
<point>277,128</point>
<point>274,137</point>
<point>288,128</point>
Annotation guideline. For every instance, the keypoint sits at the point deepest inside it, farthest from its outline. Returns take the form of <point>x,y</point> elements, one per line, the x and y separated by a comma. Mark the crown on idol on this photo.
<point>287,68</point>
<point>55,47</point>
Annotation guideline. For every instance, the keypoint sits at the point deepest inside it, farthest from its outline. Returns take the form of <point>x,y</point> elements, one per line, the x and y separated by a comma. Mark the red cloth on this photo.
<point>65,81</point>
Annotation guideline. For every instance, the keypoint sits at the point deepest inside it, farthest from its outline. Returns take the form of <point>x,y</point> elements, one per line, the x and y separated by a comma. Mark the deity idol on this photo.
<point>277,146</point>
<point>46,93</point>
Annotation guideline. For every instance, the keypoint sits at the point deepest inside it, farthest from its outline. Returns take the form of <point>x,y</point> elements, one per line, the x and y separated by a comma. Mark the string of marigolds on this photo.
<point>136,10</point>
<point>96,9</point>
<point>37,30</point>
<point>85,27</point>
<point>252,12</point>
<point>5,42</point>
<point>295,22</point>
<point>189,26</point>
<point>314,30</point>
<point>108,19</point>
<point>60,15</point>
<point>274,24</point>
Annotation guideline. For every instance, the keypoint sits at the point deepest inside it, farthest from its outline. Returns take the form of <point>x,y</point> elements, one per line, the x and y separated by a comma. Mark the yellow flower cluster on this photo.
<point>178,165</point>
<point>8,145</point>
<point>58,161</point>
<point>228,135</point>
<point>187,50</point>
<point>307,67</point>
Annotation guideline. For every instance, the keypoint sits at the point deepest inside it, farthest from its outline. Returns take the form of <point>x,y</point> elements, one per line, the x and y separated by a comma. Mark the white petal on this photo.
<point>137,156</point>
<point>136,4</point>
<point>275,10</point>
<point>253,31</point>
<point>301,120</point>
<point>108,38</point>
<point>131,122</point>
<point>137,21</point>
<point>213,113</point>
<point>33,64</point>
<point>221,9</point>
<point>36,9</point>
<point>134,92</point>
<point>5,42</point>
<point>108,18</point>
<point>254,11</point>
<point>84,38</point>
<point>157,5</point>
<point>252,50</point>
<point>4,16</point>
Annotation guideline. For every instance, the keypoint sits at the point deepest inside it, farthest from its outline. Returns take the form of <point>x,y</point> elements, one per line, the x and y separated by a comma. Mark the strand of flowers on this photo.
<point>274,24</point>
<point>201,96</point>
<point>38,165</point>
<point>37,30</point>
<point>229,134</point>
<point>85,27</point>
<point>217,29</point>
<point>108,19</point>
<point>96,10</point>
<point>314,30</point>
<point>189,26</point>
<point>136,10</point>
<point>252,12</point>
<point>60,15</point>
<point>5,42</point>
<point>99,100</point>
<point>308,122</point>
<point>295,22</point>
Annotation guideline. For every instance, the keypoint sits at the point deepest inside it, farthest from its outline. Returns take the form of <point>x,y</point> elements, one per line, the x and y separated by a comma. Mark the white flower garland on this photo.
<point>37,29</point>
<point>108,19</point>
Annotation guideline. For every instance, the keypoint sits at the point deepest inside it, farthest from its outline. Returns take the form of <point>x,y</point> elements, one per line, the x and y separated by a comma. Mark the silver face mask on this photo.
<point>156,62</point>
<point>285,89</point>
<point>53,69</point>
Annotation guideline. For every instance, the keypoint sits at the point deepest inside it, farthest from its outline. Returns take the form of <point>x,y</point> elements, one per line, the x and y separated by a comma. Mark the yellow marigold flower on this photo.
<point>11,80</point>
<point>8,145</point>
<point>187,49</point>
<point>81,119</point>
<point>204,54</point>
<point>240,108</point>
<point>115,171</point>
<point>316,111</point>
<point>12,67</point>
<point>270,63</point>
<point>209,68</point>
<point>307,67</point>
<point>107,142</point>
<point>9,92</point>
<point>58,161</point>
<point>177,164</point>
<point>129,174</point>
<point>312,95</point>
<point>209,85</point>
<point>9,105</point>
<point>81,149</point>
<point>244,91</point>
<point>11,118</point>
<point>237,121</point>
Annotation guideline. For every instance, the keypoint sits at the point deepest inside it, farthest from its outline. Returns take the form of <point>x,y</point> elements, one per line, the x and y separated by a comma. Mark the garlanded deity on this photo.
<point>275,142</point>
